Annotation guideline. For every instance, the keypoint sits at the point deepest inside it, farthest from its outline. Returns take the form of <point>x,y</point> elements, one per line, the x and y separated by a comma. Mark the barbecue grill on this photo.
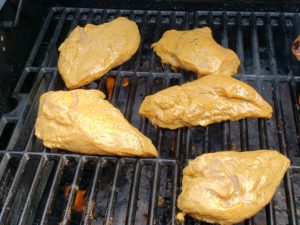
<point>51,186</point>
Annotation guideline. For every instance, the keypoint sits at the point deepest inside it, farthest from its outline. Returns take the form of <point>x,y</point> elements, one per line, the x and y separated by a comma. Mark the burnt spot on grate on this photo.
<point>295,176</point>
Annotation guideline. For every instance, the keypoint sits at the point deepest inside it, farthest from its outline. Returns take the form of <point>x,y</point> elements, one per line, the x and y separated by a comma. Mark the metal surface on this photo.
<point>10,24</point>
<point>34,180</point>
<point>2,2</point>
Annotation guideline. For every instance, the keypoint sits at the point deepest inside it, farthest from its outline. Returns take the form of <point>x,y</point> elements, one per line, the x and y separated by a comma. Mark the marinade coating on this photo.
<point>196,50</point>
<point>91,51</point>
<point>83,121</point>
<point>229,187</point>
<point>204,101</point>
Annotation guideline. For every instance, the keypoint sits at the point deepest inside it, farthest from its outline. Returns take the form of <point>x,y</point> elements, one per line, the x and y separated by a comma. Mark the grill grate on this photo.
<point>43,186</point>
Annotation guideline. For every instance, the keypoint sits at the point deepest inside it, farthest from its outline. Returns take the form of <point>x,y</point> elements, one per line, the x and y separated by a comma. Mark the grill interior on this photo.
<point>50,186</point>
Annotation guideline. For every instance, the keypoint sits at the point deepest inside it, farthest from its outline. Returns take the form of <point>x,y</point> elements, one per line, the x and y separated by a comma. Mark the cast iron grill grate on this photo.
<point>43,186</point>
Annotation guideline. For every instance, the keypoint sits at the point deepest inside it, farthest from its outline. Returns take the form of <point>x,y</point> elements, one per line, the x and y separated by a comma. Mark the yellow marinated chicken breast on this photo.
<point>82,121</point>
<point>207,100</point>
<point>229,187</point>
<point>91,51</point>
<point>196,50</point>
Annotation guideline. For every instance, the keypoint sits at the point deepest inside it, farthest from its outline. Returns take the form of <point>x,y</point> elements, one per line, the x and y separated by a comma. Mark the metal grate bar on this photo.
<point>244,135</point>
<point>27,118</point>
<point>287,44</point>
<point>3,164</point>
<point>104,16</point>
<point>270,46</point>
<point>131,98</point>
<point>131,15</point>
<point>28,204</point>
<point>144,121</point>
<point>90,16</point>
<point>186,153</point>
<point>239,42</point>
<point>122,66</point>
<point>71,197</point>
<point>118,13</point>
<point>159,134</point>
<point>269,209</point>
<point>39,39</point>
<point>290,197</point>
<point>210,22</point>
<point>53,81</point>
<point>296,23</point>
<point>206,140</point>
<point>249,222</point>
<point>195,20</point>
<point>13,188</point>
<point>172,20</point>
<point>37,85</point>
<point>263,140</point>
<point>207,128</point>
<point>53,190</point>
<point>279,118</point>
<point>226,126</point>
<point>53,40</point>
<point>91,203</point>
<point>189,18</point>
<point>179,135</point>
<point>255,46</point>
<point>240,52</point>
<point>270,212</point>
<point>224,41</point>
<point>167,68</point>
<point>292,86</point>
<point>109,212</point>
<point>29,144</point>
<point>156,37</point>
<point>154,195</point>
<point>174,195</point>
<point>116,90</point>
<point>133,196</point>
<point>283,149</point>
<point>159,131</point>
<point>143,34</point>
<point>75,21</point>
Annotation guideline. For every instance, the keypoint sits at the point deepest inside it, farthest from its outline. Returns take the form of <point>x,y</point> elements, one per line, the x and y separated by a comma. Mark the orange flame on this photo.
<point>125,82</point>
<point>145,218</point>
<point>110,83</point>
<point>67,191</point>
<point>79,204</point>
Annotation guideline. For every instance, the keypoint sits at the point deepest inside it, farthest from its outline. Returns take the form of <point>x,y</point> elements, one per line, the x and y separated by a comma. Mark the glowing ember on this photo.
<point>79,204</point>
<point>125,82</point>
<point>145,218</point>
<point>110,83</point>
<point>67,191</point>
